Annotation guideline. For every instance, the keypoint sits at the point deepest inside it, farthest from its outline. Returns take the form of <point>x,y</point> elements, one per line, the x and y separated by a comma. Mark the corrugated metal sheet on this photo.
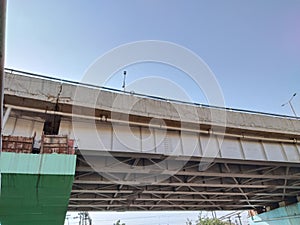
<point>287,215</point>
<point>52,164</point>
<point>35,188</point>
<point>28,199</point>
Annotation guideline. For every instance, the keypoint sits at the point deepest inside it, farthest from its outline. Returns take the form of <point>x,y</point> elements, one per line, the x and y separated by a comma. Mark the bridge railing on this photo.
<point>77,83</point>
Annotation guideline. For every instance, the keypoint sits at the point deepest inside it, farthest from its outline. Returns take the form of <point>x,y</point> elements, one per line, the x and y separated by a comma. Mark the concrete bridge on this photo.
<point>138,152</point>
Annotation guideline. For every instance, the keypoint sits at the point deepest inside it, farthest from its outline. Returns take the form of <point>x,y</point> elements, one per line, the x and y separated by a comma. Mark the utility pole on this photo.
<point>239,217</point>
<point>124,81</point>
<point>84,218</point>
<point>2,57</point>
<point>290,103</point>
<point>67,218</point>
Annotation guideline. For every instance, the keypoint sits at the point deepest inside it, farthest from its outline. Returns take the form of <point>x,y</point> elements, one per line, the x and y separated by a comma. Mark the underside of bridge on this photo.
<point>200,184</point>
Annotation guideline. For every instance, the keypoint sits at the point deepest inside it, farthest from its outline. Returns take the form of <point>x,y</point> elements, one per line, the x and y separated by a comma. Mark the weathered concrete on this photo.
<point>52,92</point>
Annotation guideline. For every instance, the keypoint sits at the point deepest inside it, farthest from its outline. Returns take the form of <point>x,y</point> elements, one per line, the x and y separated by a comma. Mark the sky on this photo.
<point>149,218</point>
<point>251,47</point>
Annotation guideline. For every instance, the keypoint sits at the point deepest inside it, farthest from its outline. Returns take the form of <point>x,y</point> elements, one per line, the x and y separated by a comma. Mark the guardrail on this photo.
<point>19,72</point>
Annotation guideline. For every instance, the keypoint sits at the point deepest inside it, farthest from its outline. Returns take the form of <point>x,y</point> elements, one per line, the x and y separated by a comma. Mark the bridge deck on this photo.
<point>137,153</point>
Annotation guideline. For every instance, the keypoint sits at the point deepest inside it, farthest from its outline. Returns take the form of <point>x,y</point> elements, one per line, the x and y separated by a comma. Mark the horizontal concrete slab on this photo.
<point>69,95</point>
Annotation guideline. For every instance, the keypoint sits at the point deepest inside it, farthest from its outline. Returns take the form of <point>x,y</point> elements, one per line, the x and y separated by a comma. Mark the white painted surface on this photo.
<point>121,138</point>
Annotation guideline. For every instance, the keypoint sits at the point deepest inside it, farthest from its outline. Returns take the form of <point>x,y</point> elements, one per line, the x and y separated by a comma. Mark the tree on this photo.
<point>188,222</point>
<point>210,221</point>
<point>119,223</point>
<point>207,221</point>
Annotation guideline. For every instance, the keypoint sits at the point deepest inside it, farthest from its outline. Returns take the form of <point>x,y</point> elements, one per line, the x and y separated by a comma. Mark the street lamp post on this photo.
<point>124,81</point>
<point>2,56</point>
<point>290,104</point>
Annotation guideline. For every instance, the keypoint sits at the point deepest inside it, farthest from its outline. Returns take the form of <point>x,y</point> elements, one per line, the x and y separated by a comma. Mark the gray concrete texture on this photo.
<point>83,96</point>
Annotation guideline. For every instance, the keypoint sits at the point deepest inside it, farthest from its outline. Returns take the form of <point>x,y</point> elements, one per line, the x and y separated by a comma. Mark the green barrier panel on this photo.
<point>35,198</point>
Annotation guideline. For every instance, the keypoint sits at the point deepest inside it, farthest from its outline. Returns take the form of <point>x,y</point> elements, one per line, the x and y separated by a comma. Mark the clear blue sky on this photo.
<point>253,47</point>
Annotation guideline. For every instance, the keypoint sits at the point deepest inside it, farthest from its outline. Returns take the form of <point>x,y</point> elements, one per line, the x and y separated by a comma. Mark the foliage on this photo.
<point>206,221</point>
<point>188,222</point>
<point>210,221</point>
<point>119,223</point>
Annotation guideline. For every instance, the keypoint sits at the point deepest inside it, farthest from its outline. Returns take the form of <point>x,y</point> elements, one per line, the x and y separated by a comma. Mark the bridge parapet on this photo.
<point>58,95</point>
